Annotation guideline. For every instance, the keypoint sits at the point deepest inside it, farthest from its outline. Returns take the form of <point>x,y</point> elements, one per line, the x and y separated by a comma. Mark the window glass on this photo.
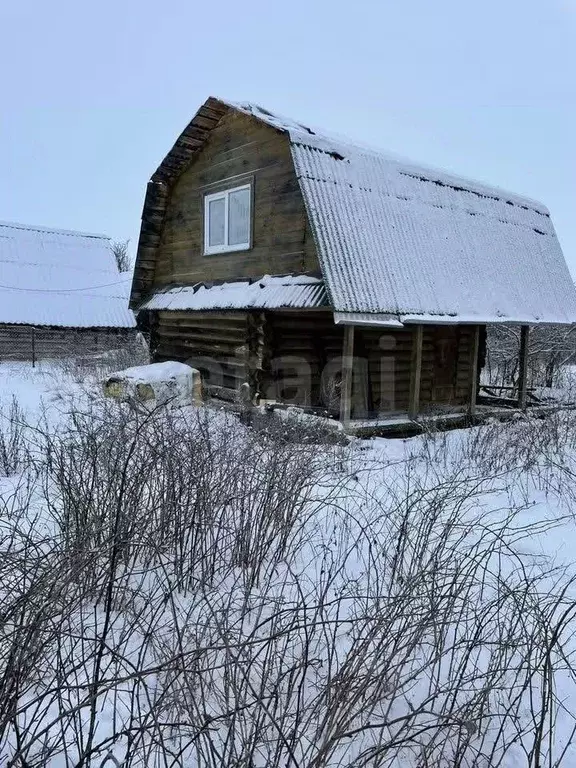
<point>239,217</point>
<point>216,221</point>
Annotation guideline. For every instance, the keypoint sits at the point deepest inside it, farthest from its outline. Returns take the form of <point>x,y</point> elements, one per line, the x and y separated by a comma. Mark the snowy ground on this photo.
<point>398,602</point>
<point>31,386</point>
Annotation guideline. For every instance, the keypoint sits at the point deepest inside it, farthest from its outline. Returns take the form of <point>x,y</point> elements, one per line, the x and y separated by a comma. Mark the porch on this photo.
<point>401,425</point>
<point>483,402</point>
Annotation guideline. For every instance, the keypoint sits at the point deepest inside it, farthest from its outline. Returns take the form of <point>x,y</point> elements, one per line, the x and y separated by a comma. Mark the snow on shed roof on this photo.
<point>60,278</point>
<point>401,239</point>
<point>270,292</point>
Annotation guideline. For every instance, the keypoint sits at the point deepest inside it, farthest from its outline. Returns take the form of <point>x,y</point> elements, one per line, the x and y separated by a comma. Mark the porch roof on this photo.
<point>268,292</point>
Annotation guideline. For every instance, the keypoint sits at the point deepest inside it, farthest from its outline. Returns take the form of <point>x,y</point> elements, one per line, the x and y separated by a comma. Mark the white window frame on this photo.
<point>225,195</point>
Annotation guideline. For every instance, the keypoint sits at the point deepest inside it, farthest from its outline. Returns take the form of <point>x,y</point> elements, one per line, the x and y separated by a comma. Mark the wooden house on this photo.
<point>307,270</point>
<point>61,294</point>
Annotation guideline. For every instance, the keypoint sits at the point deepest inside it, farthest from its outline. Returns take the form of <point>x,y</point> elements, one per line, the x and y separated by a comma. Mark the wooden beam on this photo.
<point>415,371</point>
<point>523,367</point>
<point>474,372</point>
<point>257,350</point>
<point>347,374</point>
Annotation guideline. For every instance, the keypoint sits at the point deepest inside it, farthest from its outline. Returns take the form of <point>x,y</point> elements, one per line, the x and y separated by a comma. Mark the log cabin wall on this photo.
<point>447,366</point>
<point>295,356</point>
<point>381,382</point>
<point>301,345</point>
<point>388,353</point>
<point>239,150</point>
<point>220,345</point>
<point>268,350</point>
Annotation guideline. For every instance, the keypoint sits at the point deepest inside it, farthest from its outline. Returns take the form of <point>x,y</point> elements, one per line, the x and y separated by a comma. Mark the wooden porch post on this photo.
<point>474,369</point>
<point>347,374</point>
<point>415,371</point>
<point>523,366</point>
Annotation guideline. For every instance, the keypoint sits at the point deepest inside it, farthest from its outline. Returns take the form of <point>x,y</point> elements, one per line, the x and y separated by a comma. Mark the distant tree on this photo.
<point>120,250</point>
<point>550,348</point>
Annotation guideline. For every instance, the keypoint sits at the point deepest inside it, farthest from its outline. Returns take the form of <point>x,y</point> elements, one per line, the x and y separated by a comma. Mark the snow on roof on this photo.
<point>60,278</point>
<point>269,292</point>
<point>396,238</point>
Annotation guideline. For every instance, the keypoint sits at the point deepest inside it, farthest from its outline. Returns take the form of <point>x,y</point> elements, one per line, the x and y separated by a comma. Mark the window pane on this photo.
<point>216,222</point>
<point>239,217</point>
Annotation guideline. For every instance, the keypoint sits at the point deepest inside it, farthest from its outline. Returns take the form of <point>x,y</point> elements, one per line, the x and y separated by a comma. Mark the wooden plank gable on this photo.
<point>234,149</point>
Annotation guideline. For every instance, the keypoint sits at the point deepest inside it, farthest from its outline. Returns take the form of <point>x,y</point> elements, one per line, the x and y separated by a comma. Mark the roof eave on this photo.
<point>387,320</point>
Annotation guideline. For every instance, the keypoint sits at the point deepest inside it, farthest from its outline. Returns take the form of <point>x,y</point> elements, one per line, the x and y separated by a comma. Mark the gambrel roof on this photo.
<point>399,242</point>
<point>52,277</point>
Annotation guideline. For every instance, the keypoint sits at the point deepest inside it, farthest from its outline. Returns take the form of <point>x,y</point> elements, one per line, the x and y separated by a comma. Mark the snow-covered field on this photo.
<point>177,590</point>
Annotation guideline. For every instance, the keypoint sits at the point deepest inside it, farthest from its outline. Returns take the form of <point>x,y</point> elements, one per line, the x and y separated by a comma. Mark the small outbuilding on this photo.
<point>315,272</point>
<point>61,294</point>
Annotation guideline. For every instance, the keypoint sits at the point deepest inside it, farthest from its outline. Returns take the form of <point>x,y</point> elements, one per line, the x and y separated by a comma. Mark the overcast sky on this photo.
<point>94,94</point>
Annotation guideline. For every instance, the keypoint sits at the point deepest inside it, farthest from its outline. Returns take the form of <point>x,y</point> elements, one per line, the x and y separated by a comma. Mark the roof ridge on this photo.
<point>51,230</point>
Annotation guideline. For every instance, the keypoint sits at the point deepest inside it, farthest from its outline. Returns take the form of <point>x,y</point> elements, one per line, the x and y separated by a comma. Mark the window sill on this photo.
<point>216,250</point>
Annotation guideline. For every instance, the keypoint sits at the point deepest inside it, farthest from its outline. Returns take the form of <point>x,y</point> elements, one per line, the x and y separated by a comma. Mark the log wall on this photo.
<point>217,343</point>
<point>302,345</point>
<point>446,366</point>
<point>381,382</point>
<point>295,357</point>
<point>446,378</point>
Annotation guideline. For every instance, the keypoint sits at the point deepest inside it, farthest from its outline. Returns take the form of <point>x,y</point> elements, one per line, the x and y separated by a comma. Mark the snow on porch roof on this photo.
<point>269,292</point>
<point>60,278</point>
<point>400,239</point>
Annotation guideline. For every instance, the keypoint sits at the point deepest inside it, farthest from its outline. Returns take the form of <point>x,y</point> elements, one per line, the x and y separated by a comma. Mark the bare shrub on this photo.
<point>533,453</point>
<point>181,590</point>
<point>132,350</point>
<point>214,497</point>
<point>12,442</point>
<point>293,425</point>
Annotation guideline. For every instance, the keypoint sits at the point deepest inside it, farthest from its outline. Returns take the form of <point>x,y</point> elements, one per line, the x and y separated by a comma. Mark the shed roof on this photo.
<point>269,292</point>
<point>60,278</point>
<point>404,241</point>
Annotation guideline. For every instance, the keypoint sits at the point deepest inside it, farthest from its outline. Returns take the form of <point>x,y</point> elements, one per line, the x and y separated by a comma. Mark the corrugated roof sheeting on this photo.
<point>391,243</point>
<point>399,239</point>
<point>298,292</point>
<point>367,318</point>
<point>60,278</point>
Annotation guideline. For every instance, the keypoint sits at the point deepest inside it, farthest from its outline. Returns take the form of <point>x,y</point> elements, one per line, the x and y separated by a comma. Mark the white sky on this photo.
<point>94,94</point>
